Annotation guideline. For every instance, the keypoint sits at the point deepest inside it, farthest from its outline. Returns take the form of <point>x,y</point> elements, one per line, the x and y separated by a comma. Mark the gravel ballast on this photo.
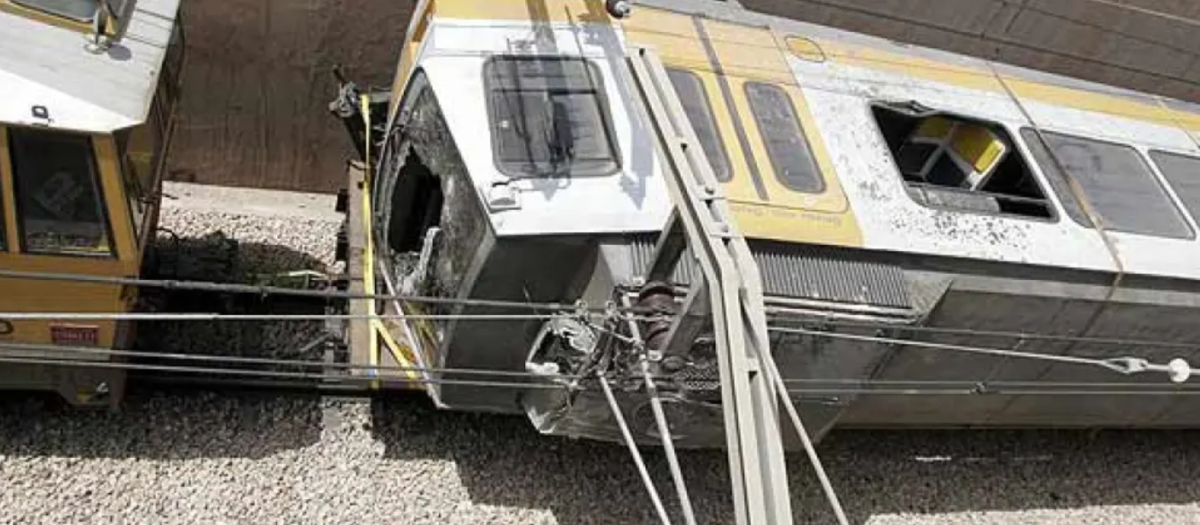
<point>249,459</point>
<point>187,457</point>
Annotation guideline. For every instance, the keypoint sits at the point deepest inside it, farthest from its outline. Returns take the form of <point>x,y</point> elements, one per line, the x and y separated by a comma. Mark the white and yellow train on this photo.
<point>878,183</point>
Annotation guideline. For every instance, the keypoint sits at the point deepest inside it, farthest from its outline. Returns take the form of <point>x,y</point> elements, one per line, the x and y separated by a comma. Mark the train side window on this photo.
<point>1118,183</point>
<point>787,147</point>
<point>549,117</point>
<point>60,205</point>
<point>959,163</point>
<point>80,10</point>
<point>1183,174</point>
<point>131,175</point>
<point>699,112</point>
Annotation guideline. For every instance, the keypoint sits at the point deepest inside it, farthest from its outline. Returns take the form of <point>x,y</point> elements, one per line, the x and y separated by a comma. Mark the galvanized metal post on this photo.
<point>733,291</point>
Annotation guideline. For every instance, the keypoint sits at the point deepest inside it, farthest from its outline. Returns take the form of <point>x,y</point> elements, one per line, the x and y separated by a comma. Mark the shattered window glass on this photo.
<point>549,117</point>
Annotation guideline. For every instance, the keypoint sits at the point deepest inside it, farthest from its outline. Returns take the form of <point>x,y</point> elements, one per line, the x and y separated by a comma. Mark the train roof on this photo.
<point>48,65</point>
<point>928,62</point>
<point>839,45</point>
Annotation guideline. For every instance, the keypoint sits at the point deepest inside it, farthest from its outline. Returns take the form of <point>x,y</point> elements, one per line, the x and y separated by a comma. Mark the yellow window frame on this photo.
<point>8,219</point>
<point>8,6</point>
<point>111,186</point>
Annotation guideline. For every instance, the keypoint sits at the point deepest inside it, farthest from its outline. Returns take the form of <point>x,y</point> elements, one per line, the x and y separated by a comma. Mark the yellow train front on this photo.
<point>891,194</point>
<point>85,125</point>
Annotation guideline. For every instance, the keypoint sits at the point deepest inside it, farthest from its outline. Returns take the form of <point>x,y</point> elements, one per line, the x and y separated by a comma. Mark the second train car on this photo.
<point>882,186</point>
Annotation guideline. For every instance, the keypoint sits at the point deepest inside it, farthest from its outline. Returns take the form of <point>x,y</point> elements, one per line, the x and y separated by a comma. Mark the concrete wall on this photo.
<point>1148,45</point>
<point>258,81</point>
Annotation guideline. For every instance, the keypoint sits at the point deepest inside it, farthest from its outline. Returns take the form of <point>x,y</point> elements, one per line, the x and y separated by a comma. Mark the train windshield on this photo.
<point>549,117</point>
<point>82,10</point>
<point>60,209</point>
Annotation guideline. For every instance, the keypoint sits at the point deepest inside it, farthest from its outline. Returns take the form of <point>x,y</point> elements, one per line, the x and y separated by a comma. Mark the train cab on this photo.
<point>85,127</point>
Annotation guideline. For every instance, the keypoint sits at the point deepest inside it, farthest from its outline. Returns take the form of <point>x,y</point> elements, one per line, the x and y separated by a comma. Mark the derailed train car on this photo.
<point>885,189</point>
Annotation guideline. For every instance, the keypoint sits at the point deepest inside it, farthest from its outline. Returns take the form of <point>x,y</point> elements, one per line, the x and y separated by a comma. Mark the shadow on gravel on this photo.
<point>160,425</point>
<point>502,461</point>
<point>215,258</point>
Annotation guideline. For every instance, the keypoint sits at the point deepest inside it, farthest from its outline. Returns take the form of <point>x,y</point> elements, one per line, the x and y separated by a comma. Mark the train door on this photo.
<point>754,124</point>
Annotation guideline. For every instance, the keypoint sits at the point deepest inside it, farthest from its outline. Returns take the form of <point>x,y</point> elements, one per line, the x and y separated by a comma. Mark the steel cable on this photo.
<point>275,374</point>
<point>268,291</point>
<point>1178,369</point>
<point>213,358</point>
<point>1110,341</point>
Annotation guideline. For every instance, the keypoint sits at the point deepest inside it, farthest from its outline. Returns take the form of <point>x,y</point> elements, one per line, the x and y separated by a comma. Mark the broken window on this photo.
<point>1117,182</point>
<point>787,147</point>
<point>549,117</point>
<point>959,163</point>
<point>60,206</point>
<point>699,113</point>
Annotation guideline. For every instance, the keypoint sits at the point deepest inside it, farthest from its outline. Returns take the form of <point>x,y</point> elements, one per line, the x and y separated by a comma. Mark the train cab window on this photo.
<point>959,163</point>
<point>699,112</point>
<point>131,175</point>
<point>80,10</point>
<point>60,208</point>
<point>1118,183</point>
<point>786,145</point>
<point>549,117</point>
<point>1183,174</point>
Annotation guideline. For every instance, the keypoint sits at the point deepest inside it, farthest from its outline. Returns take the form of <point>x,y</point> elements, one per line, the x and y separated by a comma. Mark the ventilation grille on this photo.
<point>821,273</point>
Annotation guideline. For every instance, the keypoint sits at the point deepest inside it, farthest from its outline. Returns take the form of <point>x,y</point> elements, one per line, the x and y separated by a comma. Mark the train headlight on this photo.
<point>618,8</point>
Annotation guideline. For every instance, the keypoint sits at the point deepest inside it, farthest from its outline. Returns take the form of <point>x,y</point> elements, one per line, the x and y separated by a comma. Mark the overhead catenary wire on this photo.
<point>822,385</point>
<point>660,419</point>
<point>639,462</point>
<point>213,316</point>
<point>997,334</point>
<point>835,503</point>
<point>990,390</point>
<point>268,291</point>
<point>1178,369</point>
<point>67,351</point>
<point>271,374</point>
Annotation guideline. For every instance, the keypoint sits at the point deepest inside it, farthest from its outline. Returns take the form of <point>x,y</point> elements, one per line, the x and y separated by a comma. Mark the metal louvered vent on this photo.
<point>823,273</point>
